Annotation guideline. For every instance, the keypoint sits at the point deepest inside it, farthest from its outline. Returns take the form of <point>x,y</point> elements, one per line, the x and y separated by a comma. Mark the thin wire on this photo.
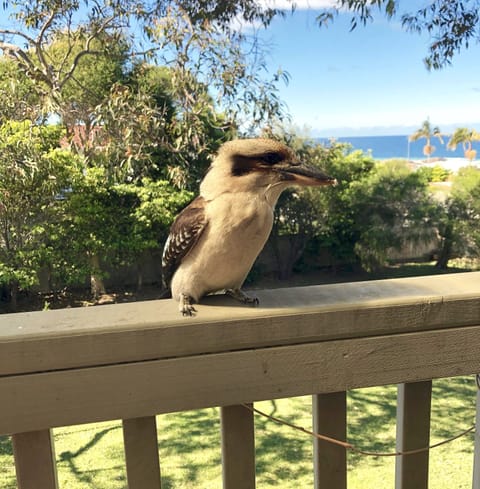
<point>350,446</point>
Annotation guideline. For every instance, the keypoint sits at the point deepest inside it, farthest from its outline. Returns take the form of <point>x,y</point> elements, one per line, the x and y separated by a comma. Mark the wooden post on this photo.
<point>329,413</point>
<point>238,447</point>
<point>413,431</point>
<point>141,453</point>
<point>476,456</point>
<point>34,454</point>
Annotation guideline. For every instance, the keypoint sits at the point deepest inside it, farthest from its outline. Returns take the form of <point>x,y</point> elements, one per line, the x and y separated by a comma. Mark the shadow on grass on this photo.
<point>281,455</point>
<point>371,415</point>
<point>87,476</point>
<point>190,435</point>
<point>453,407</point>
<point>6,447</point>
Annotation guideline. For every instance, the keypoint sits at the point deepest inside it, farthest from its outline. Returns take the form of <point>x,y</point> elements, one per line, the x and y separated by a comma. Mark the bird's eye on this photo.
<point>272,158</point>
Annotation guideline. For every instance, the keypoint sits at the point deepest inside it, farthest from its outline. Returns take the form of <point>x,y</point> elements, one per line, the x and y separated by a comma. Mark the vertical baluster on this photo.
<point>413,431</point>
<point>476,456</point>
<point>329,413</point>
<point>34,454</point>
<point>141,453</point>
<point>238,447</point>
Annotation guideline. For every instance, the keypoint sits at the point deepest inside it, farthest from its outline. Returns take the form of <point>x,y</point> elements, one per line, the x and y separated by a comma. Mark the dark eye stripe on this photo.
<point>272,158</point>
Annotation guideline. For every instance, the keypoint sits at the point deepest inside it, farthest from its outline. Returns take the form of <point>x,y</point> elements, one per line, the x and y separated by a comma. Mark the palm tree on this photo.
<point>465,137</point>
<point>427,132</point>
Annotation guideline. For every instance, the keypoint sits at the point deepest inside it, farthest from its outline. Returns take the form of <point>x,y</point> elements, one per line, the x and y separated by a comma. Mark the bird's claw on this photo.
<point>240,296</point>
<point>186,307</point>
<point>252,301</point>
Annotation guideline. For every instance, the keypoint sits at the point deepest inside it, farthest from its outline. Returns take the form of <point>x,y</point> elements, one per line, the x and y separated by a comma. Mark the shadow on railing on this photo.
<point>134,361</point>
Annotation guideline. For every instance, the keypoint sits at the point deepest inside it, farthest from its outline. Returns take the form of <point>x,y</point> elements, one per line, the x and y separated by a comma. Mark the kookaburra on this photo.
<point>215,240</point>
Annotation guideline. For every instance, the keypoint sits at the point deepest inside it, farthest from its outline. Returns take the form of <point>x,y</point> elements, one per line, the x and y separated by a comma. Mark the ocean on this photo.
<point>386,147</point>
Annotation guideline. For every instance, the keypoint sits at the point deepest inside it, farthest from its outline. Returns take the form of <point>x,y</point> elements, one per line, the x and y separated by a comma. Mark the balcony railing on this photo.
<point>134,361</point>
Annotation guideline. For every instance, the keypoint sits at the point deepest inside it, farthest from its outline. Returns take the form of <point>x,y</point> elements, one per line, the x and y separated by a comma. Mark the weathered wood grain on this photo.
<point>36,401</point>
<point>56,340</point>
<point>141,453</point>
<point>476,456</point>
<point>35,460</point>
<point>238,447</point>
<point>329,412</point>
<point>413,432</point>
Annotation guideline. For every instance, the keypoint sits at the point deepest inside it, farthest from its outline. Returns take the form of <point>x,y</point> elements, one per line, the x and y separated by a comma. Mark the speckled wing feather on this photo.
<point>184,233</point>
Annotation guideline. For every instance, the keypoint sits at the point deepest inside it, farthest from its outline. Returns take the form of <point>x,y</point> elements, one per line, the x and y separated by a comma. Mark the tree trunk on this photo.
<point>97,286</point>
<point>444,257</point>
<point>446,246</point>
<point>14,296</point>
<point>297,244</point>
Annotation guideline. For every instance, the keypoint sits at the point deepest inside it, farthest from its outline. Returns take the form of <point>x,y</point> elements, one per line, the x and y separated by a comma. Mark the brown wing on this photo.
<point>184,233</point>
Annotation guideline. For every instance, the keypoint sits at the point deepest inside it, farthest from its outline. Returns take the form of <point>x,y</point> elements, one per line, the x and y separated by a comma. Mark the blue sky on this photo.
<point>368,81</point>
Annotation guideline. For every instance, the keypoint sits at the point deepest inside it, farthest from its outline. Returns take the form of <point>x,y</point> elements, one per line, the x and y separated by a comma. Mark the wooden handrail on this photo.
<point>133,361</point>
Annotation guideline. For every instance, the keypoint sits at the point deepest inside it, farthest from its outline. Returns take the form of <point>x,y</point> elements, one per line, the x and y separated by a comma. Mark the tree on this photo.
<point>18,98</point>
<point>84,58</point>
<point>376,207</point>
<point>465,137</point>
<point>110,225</point>
<point>90,84</point>
<point>434,173</point>
<point>427,132</point>
<point>459,227</point>
<point>340,232</point>
<point>85,65</point>
<point>34,173</point>
<point>393,208</point>
<point>295,223</point>
<point>451,24</point>
<point>300,214</point>
<point>196,40</point>
<point>215,69</point>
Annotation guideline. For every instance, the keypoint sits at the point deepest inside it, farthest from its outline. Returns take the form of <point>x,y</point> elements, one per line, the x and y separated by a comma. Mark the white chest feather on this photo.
<point>238,227</point>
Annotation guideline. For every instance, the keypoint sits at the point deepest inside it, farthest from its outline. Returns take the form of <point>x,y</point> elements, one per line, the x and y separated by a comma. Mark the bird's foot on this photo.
<point>240,296</point>
<point>185,306</point>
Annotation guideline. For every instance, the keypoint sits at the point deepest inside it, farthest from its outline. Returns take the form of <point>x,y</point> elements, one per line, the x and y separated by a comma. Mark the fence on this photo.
<point>133,361</point>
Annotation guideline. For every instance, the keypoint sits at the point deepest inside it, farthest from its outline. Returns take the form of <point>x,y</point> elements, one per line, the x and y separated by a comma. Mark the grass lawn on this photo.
<point>91,456</point>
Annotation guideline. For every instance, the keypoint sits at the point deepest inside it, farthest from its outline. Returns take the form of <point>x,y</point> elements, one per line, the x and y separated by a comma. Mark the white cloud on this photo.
<point>239,24</point>
<point>299,4</point>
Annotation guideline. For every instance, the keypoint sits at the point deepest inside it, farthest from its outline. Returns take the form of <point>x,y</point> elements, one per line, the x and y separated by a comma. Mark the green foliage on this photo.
<point>33,175</point>
<point>158,204</point>
<point>130,128</point>
<point>88,72</point>
<point>465,207</point>
<point>465,137</point>
<point>373,209</point>
<point>94,73</point>
<point>331,218</point>
<point>54,213</point>
<point>427,132</point>
<point>392,207</point>
<point>433,173</point>
<point>340,230</point>
<point>114,223</point>
<point>18,97</point>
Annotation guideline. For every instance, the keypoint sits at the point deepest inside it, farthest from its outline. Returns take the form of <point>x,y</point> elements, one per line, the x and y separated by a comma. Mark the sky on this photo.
<point>371,81</point>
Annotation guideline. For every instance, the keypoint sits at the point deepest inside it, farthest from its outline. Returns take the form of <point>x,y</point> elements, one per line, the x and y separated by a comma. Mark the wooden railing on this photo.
<point>134,361</point>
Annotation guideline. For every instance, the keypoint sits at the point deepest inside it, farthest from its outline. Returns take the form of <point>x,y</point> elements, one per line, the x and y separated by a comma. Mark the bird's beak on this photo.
<point>307,175</point>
